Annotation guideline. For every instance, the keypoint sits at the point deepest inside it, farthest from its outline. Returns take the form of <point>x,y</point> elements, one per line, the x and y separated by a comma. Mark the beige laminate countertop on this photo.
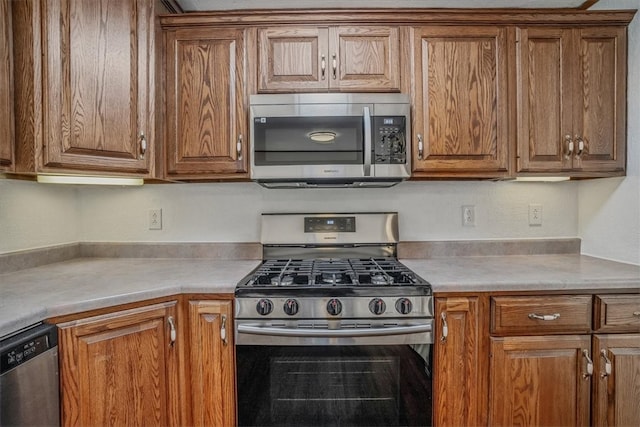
<point>31,295</point>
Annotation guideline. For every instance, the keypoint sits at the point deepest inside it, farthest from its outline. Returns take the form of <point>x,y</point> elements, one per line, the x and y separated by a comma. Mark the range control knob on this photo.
<point>377,306</point>
<point>264,306</point>
<point>291,307</point>
<point>334,307</point>
<point>404,306</point>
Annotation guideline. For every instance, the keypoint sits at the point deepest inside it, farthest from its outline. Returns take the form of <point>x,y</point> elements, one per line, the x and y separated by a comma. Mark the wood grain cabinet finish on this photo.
<point>460,364</point>
<point>86,75</point>
<point>460,103</point>
<point>121,368</point>
<point>540,381</point>
<point>571,94</point>
<point>335,58</point>
<point>206,126</point>
<point>213,389</point>
<point>617,313</point>
<point>6,86</point>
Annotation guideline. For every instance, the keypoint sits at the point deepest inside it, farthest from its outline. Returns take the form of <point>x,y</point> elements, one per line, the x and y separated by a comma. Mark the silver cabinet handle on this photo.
<point>223,329</point>
<point>545,317</point>
<point>589,372</point>
<point>607,364</point>
<point>569,143</point>
<point>636,313</point>
<point>276,331</point>
<point>335,66</point>
<point>445,327</point>
<point>239,147</point>
<point>420,147</point>
<point>143,145</point>
<point>323,66</point>
<point>580,146</point>
<point>172,330</point>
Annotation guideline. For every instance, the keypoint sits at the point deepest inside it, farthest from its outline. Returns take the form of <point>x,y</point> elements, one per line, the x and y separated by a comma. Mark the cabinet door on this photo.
<point>98,85</point>
<point>364,58</point>
<point>545,96</point>
<point>461,372</point>
<point>540,381</point>
<point>206,124</point>
<point>293,59</point>
<point>213,387</point>
<point>121,368</point>
<point>617,393</point>
<point>6,97</point>
<point>460,101</point>
<point>600,99</point>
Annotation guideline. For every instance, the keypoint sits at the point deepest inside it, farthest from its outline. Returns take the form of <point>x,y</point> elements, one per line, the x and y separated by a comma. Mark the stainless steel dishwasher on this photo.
<point>29,391</point>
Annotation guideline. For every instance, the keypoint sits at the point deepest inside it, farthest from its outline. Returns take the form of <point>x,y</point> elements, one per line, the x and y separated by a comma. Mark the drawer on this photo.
<point>617,313</point>
<point>536,315</point>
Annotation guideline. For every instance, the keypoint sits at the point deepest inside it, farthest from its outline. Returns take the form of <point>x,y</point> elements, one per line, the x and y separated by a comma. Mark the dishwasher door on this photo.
<point>29,378</point>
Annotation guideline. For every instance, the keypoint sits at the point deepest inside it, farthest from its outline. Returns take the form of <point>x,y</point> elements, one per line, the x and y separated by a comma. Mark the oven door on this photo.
<point>329,378</point>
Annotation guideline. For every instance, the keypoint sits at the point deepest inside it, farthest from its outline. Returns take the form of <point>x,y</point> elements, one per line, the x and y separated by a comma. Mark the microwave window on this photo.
<point>308,140</point>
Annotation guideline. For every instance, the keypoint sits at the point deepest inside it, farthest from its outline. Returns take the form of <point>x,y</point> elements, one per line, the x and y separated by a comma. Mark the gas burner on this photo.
<point>381,279</point>
<point>282,281</point>
<point>332,278</point>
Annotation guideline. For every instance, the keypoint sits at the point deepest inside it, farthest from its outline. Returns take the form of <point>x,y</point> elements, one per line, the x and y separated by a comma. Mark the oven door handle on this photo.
<point>331,333</point>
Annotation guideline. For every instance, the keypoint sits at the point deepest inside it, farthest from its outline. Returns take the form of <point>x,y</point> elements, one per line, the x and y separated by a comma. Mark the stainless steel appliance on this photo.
<point>29,393</point>
<point>320,140</point>
<point>331,329</point>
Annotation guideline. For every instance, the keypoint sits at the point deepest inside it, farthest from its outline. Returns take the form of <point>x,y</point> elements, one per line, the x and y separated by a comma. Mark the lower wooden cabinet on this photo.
<point>212,363</point>
<point>121,368</point>
<point>460,382</point>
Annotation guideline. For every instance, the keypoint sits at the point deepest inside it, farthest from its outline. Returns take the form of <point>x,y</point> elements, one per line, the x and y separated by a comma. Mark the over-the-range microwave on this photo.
<point>330,140</point>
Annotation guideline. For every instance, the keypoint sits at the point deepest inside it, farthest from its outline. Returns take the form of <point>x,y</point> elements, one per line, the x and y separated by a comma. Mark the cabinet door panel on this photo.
<point>460,99</point>
<point>205,103</point>
<point>6,96</point>
<point>616,395</point>
<point>212,363</point>
<point>367,58</point>
<point>96,84</point>
<point>291,59</point>
<point>600,107</point>
<point>120,369</point>
<point>538,381</point>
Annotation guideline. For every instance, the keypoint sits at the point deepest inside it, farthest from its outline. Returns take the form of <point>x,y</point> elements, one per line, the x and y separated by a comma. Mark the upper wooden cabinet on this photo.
<point>6,83</point>
<point>86,86</point>
<point>571,94</point>
<point>122,368</point>
<point>460,121</point>
<point>206,133</point>
<point>317,59</point>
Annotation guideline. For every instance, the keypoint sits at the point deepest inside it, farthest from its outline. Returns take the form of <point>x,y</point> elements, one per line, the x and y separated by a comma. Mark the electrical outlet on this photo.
<point>155,219</point>
<point>535,214</point>
<point>468,215</point>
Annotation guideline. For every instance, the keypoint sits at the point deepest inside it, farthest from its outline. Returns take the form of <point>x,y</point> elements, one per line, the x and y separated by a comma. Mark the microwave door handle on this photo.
<point>367,141</point>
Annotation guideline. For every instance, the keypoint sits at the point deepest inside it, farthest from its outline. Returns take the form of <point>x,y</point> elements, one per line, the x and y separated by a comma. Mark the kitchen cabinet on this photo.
<point>206,121</point>
<point>122,368</point>
<point>616,352</point>
<point>460,102</point>
<point>6,84</point>
<point>362,58</point>
<point>213,389</point>
<point>86,86</point>
<point>460,367</point>
<point>571,94</point>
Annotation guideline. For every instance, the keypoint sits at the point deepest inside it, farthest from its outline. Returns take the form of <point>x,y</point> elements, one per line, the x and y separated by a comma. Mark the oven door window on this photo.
<point>333,385</point>
<point>308,140</point>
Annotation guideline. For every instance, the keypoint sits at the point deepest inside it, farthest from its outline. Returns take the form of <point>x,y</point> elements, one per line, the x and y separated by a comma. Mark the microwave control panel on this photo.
<point>389,141</point>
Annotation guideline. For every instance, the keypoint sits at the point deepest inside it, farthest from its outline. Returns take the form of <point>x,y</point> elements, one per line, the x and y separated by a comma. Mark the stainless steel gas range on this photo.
<point>332,328</point>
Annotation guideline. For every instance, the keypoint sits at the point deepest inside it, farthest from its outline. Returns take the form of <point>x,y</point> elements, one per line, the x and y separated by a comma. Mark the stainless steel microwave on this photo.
<point>330,140</point>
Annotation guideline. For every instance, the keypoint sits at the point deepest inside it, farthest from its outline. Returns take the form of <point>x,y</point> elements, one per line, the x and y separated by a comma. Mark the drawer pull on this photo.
<point>545,317</point>
<point>172,331</point>
<point>636,313</point>
<point>589,372</point>
<point>607,364</point>
<point>445,327</point>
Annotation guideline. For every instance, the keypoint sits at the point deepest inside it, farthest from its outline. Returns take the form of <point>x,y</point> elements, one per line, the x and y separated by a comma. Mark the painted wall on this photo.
<point>609,209</point>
